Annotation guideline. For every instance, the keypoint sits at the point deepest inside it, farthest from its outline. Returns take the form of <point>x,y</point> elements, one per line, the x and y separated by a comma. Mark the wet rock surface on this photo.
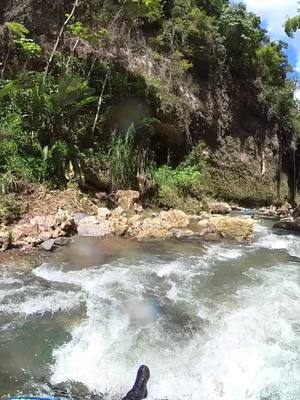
<point>94,229</point>
<point>219,208</point>
<point>291,225</point>
<point>127,198</point>
<point>232,228</point>
<point>48,245</point>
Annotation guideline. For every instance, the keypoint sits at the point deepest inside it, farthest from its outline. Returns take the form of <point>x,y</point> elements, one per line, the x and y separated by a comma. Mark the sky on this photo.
<point>273,14</point>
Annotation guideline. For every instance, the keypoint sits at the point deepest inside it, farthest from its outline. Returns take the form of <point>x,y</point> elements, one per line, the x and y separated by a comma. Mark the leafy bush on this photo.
<point>43,123</point>
<point>10,209</point>
<point>182,187</point>
<point>19,35</point>
<point>184,178</point>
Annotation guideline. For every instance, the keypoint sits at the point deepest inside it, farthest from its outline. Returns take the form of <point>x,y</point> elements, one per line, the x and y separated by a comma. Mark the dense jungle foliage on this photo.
<point>144,94</point>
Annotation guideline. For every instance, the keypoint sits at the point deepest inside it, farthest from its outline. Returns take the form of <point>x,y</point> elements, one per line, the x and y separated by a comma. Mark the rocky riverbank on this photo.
<point>127,219</point>
<point>287,216</point>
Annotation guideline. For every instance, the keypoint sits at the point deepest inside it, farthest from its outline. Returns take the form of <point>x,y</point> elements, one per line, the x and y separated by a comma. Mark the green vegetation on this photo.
<point>10,209</point>
<point>292,24</point>
<point>19,37</point>
<point>94,115</point>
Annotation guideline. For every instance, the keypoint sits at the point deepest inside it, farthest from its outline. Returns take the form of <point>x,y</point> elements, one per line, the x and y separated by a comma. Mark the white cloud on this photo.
<point>297,94</point>
<point>274,13</point>
<point>297,66</point>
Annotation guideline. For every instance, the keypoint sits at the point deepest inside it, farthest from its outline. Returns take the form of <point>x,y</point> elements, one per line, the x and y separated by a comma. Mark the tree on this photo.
<point>151,9</point>
<point>273,63</point>
<point>242,34</point>
<point>18,36</point>
<point>60,35</point>
<point>52,113</point>
<point>292,25</point>
<point>212,7</point>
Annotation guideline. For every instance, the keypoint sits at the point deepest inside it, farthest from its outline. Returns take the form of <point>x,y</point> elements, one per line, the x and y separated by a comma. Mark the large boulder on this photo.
<point>219,208</point>
<point>78,217</point>
<point>138,208</point>
<point>62,241</point>
<point>104,213</point>
<point>154,228</point>
<point>89,220</point>
<point>60,224</point>
<point>135,222</point>
<point>194,218</point>
<point>5,239</point>
<point>291,225</point>
<point>98,229</point>
<point>117,212</point>
<point>285,210</point>
<point>183,234</point>
<point>43,223</point>
<point>48,245</point>
<point>175,218</point>
<point>127,198</point>
<point>64,223</point>
<point>240,229</point>
<point>160,227</point>
<point>268,211</point>
<point>119,225</point>
<point>27,235</point>
<point>296,212</point>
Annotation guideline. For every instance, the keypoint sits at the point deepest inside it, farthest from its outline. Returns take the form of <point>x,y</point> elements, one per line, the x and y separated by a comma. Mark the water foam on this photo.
<point>248,348</point>
<point>201,336</point>
<point>271,240</point>
<point>41,304</point>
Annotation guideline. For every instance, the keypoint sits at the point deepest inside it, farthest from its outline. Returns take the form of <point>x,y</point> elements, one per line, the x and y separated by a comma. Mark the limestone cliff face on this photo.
<point>40,16</point>
<point>222,111</point>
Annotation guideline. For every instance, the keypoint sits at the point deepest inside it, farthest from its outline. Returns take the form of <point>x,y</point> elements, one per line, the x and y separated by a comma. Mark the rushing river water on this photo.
<point>212,322</point>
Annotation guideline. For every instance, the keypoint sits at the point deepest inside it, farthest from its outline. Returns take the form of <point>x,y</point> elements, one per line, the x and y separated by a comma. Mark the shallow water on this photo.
<point>219,321</point>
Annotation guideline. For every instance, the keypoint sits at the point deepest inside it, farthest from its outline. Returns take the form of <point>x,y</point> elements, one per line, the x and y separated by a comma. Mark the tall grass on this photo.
<point>128,161</point>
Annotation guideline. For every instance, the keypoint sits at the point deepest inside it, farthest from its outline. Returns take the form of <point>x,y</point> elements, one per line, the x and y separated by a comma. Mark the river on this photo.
<point>214,321</point>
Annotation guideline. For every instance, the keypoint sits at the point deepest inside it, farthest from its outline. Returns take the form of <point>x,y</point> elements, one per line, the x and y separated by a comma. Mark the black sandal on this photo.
<point>139,390</point>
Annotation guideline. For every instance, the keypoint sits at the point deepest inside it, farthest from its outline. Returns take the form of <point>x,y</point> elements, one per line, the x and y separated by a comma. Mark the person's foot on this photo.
<point>139,390</point>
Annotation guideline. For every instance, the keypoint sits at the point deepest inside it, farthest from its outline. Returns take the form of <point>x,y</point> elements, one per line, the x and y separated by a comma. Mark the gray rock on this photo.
<point>102,195</point>
<point>95,230</point>
<point>196,218</point>
<point>288,225</point>
<point>138,208</point>
<point>104,213</point>
<point>235,207</point>
<point>78,217</point>
<point>89,220</point>
<point>5,240</point>
<point>44,236</point>
<point>216,207</point>
<point>118,212</point>
<point>182,234</point>
<point>296,212</point>
<point>126,198</point>
<point>61,241</point>
<point>48,245</point>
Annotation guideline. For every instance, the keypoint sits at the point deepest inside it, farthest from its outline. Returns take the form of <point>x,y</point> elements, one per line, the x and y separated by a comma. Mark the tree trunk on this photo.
<point>92,67</point>
<point>100,103</point>
<point>61,32</point>
<point>73,51</point>
<point>5,62</point>
<point>263,161</point>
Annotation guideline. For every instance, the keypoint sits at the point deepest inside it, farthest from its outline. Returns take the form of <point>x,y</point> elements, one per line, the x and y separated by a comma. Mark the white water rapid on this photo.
<point>220,322</point>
